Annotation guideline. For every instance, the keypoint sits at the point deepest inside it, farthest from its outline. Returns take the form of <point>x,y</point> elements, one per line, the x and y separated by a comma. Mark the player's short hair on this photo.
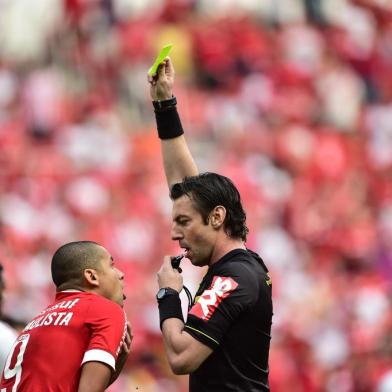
<point>208,190</point>
<point>70,260</point>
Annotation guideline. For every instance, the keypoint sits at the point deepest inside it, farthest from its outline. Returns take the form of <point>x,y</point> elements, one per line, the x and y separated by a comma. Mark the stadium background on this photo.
<point>292,99</point>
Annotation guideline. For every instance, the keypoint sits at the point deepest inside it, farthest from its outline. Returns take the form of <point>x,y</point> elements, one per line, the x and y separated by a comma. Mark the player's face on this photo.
<point>111,279</point>
<point>192,233</point>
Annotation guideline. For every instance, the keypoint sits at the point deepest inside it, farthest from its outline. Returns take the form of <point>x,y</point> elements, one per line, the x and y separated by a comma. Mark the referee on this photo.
<point>224,343</point>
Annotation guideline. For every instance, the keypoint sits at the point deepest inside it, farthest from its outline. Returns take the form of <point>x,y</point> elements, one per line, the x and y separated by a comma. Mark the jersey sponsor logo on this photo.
<point>209,301</point>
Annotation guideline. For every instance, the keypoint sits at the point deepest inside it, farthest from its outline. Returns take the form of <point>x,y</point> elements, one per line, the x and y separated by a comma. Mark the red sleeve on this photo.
<point>107,322</point>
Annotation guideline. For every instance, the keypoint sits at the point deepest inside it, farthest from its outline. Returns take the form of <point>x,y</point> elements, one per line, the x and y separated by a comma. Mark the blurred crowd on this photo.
<point>292,99</point>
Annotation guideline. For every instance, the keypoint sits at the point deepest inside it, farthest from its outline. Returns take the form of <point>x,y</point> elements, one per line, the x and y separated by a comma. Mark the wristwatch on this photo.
<point>161,106</point>
<point>164,292</point>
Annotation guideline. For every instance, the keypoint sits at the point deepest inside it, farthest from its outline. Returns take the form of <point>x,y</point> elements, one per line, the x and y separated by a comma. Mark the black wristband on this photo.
<point>168,121</point>
<point>170,307</point>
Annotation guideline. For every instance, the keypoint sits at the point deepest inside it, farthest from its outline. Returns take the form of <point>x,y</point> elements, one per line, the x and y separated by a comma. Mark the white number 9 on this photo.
<point>16,371</point>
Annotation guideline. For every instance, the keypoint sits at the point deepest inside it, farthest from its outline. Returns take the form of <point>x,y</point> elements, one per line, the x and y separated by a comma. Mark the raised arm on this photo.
<point>177,159</point>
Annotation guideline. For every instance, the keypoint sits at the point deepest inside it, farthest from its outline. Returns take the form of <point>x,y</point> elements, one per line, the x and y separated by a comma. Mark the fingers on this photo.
<point>166,265</point>
<point>161,83</point>
<point>167,262</point>
<point>126,343</point>
<point>164,68</point>
<point>169,68</point>
<point>152,79</point>
<point>159,75</point>
<point>125,349</point>
<point>168,276</point>
<point>129,335</point>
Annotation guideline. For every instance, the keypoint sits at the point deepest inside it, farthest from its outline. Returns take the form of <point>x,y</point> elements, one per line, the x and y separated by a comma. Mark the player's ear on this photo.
<point>91,276</point>
<point>217,217</point>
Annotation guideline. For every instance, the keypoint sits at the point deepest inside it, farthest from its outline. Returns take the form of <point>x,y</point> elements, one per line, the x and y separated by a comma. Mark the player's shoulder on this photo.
<point>99,304</point>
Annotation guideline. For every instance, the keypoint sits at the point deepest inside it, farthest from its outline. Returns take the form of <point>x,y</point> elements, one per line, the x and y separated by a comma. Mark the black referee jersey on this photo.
<point>232,314</point>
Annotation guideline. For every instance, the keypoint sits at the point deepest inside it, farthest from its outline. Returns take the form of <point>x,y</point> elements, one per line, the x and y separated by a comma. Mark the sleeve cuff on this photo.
<point>99,356</point>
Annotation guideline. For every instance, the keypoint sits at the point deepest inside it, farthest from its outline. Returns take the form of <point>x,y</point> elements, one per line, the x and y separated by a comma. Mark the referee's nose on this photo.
<point>176,233</point>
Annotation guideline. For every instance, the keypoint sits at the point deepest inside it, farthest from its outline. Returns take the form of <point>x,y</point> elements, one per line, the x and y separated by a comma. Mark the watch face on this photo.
<point>161,293</point>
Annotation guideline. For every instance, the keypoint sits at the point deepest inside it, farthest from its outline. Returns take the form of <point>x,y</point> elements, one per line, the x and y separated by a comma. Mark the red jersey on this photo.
<point>49,353</point>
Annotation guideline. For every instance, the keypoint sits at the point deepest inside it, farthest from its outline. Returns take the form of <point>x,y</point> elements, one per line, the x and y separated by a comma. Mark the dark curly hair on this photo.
<point>208,190</point>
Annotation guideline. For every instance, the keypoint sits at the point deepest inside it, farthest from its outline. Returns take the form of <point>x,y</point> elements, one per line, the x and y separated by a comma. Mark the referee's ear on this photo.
<point>91,277</point>
<point>217,217</point>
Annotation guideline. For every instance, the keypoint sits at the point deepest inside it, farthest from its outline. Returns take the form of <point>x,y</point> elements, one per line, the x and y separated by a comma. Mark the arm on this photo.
<point>184,353</point>
<point>177,159</point>
<point>95,377</point>
<point>108,346</point>
<point>123,355</point>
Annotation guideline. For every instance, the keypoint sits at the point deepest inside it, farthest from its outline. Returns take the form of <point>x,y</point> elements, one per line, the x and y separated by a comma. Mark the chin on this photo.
<point>119,301</point>
<point>199,263</point>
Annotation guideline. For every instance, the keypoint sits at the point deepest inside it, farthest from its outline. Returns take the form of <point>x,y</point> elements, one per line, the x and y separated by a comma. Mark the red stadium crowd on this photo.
<point>290,99</point>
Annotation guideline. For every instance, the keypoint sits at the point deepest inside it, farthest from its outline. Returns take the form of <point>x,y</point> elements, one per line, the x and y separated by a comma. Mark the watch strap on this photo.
<point>165,104</point>
<point>169,305</point>
<point>164,292</point>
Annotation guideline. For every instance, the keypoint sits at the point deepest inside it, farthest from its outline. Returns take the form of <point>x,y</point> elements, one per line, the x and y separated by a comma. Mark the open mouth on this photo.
<point>186,252</point>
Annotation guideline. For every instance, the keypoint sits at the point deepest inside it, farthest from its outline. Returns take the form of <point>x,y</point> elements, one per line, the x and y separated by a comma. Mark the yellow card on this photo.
<point>161,56</point>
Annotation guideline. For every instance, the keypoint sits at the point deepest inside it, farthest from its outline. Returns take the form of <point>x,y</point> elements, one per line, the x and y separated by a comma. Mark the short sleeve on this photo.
<point>231,293</point>
<point>107,322</point>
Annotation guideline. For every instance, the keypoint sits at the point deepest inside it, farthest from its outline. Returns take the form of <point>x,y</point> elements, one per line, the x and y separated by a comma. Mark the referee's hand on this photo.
<point>161,84</point>
<point>169,277</point>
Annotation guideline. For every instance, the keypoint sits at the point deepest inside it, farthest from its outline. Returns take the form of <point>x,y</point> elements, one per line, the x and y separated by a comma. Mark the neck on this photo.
<point>225,246</point>
<point>69,287</point>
